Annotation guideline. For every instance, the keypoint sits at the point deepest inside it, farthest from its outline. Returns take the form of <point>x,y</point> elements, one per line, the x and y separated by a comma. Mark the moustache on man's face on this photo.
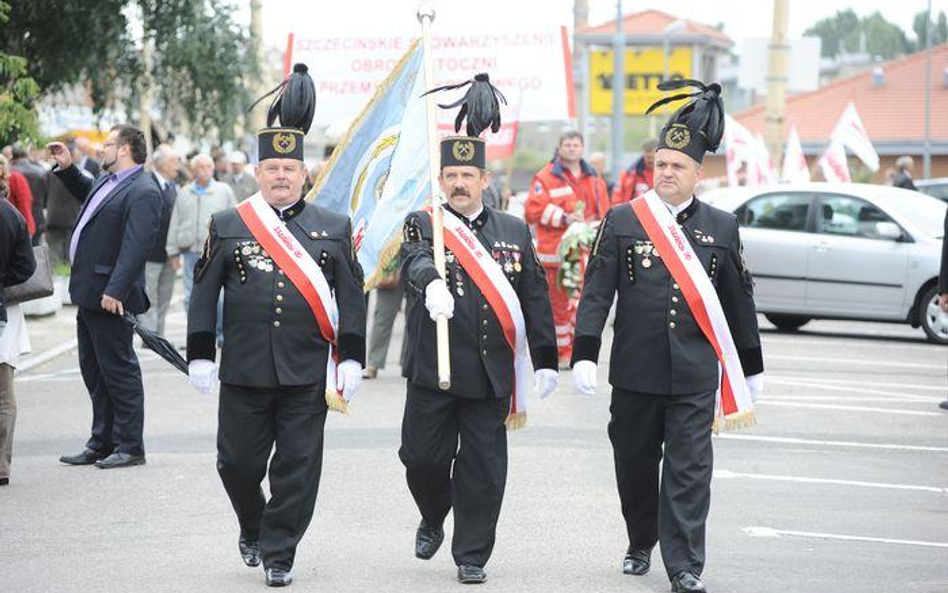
<point>460,191</point>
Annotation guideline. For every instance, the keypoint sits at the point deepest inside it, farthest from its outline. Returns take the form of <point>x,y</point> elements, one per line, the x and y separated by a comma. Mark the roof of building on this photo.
<point>892,112</point>
<point>651,23</point>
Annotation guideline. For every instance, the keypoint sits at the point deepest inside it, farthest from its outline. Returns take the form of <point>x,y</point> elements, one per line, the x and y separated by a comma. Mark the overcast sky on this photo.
<point>741,18</point>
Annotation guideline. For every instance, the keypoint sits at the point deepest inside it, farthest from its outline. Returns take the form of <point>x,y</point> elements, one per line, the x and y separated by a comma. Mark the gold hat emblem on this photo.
<point>677,136</point>
<point>284,143</point>
<point>463,150</point>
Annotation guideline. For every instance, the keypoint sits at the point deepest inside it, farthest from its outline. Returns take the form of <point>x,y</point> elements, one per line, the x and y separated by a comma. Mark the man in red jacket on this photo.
<point>565,191</point>
<point>637,179</point>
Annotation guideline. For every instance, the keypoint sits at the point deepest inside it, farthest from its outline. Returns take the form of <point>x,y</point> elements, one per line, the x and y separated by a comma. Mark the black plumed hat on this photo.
<point>294,106</point>
<point>697,127</point>
<point>480,107</point>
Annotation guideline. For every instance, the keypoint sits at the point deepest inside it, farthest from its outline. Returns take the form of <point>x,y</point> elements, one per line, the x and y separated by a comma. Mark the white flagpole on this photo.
<point>426,15</point>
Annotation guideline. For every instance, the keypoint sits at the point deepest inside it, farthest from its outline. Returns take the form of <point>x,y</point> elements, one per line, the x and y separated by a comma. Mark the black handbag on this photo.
<point>39,285</point>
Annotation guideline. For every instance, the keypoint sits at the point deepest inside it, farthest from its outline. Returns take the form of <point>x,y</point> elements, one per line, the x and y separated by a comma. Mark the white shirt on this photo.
<point>679,208</point>
<point>162,182</point>
<point>15,339</point>
<point>474,216</point>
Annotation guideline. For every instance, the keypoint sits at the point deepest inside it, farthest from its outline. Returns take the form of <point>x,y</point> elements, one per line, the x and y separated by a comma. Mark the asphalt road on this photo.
<point>842,487</point>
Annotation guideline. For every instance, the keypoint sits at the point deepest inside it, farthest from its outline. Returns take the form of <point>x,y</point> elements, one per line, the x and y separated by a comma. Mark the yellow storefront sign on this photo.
<point>644,70</point>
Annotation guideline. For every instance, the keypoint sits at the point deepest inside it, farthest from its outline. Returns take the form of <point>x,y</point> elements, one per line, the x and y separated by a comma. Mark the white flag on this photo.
<point>850,132</point>
<point>739,148</point>
<point>833,163</point>
<point>760,167</point>
<point>795,169</point>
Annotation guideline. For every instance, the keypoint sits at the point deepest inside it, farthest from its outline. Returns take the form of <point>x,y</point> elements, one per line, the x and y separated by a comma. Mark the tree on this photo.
<point>18,93</point>
<point>939,29</point>
<point>202,60</point>
<point>845,32</point>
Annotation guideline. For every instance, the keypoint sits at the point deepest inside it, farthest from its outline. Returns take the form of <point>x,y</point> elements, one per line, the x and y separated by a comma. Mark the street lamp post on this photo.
<point>618,92</point>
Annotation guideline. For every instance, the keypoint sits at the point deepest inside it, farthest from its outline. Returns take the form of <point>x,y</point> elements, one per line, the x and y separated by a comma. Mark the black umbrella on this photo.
<point>159,345</point>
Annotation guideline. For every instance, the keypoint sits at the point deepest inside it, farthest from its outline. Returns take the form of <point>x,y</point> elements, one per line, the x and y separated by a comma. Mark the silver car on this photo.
<point>841,251</point>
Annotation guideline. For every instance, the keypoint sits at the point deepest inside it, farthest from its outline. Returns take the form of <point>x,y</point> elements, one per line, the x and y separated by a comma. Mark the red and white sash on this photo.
<point>301,269</point>
<point>502,298</point>
<point>733,404</point>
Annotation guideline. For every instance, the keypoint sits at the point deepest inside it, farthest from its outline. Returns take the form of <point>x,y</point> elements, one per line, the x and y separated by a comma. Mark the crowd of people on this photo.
<point>273,286</point>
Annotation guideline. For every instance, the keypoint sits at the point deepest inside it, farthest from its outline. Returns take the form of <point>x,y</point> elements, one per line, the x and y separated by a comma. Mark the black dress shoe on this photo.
<point>427,540</point>
<point>685,582</point>
<point>637,561</point>
<point>120,460</point>
<point>468,574</point>
<point>4,481</point>
<point>87,457</point>
<point>277,577</point>
<point>249,551</point>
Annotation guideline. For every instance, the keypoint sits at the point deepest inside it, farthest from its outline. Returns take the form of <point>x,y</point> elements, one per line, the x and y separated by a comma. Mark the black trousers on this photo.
<point>113,377</point>
<point>673,512</point>
<point>455,454</point>
<point>251,421</point>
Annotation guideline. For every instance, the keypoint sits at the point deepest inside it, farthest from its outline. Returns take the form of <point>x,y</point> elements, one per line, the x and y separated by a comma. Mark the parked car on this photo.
<point>937,188</point>
<point>841,251</point>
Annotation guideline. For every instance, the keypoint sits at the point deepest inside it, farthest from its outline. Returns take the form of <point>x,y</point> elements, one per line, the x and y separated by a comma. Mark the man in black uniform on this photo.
<point>663,370</point>
<point>273,363</point>
<point>441,474</point>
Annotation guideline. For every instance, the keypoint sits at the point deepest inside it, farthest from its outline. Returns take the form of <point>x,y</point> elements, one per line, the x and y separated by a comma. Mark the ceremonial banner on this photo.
<point>349,66</point>
<point>378,174</point>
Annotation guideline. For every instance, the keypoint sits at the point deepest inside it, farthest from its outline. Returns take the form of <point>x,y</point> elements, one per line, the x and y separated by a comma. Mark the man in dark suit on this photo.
<point>116,230</point>
<point>906,167</point>
<point>160,269</point>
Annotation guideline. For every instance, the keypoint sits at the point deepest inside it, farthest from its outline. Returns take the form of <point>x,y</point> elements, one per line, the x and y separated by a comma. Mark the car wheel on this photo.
<point>933,319</point>
<point>787,323</point>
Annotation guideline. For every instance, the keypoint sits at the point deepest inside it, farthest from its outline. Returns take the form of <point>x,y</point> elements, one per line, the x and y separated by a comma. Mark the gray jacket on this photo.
<point>191,214</point>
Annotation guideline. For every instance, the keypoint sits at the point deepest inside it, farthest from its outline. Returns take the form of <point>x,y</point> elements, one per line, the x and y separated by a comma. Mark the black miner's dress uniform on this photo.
<point>663,370</point>
<point>482,378</point>
<point>273,367</point>
<point>273,362</point>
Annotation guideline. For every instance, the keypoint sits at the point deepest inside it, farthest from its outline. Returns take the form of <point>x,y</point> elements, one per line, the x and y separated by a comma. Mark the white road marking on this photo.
<point>796,441</point>
<point>836,341</point>
<point>816,384</point>
<point>774,533</point>
<point>895,411</point>
<point>727,475</point>
<point>926,387</point>
<point>857,361</point>
<point>45,356</point>
<point>920,399</point>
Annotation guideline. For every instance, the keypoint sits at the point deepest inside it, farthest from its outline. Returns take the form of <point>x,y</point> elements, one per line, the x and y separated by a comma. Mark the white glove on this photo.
<point>202,374</point>
<point>349,376</point>
<point>545,381</point>
<point>755,384</point>
<point>438,299</point>
<point>584,377</point>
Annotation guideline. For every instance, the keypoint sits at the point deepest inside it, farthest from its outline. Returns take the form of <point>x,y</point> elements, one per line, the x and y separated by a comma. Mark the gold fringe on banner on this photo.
<point>516,421</point>
<point>336,403</point>
<point>734,421</point>
<point>385,256</point>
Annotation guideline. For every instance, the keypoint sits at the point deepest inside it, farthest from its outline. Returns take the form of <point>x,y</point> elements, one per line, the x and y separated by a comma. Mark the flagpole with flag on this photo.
<point>426,15</point>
